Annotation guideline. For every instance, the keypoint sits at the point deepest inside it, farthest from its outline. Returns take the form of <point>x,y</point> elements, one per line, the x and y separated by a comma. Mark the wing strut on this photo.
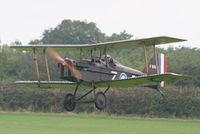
<point>145,59</point>
<point>46,65</point>
<point>155,57</point>
<point>36,65</point>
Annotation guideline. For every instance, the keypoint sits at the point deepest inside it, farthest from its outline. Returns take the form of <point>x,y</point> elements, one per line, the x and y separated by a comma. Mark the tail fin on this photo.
<point>162,66</point>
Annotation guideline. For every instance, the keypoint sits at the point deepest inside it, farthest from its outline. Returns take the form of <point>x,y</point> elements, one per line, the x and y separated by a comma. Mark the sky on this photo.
<point>26,20</point>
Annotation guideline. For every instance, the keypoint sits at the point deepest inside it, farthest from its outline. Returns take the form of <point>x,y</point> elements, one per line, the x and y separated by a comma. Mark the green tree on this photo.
<point>73,32</point>
<point>122,36</point>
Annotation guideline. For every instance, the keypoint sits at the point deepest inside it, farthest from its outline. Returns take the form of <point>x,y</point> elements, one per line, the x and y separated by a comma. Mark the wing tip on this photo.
<point>180,75</point>
<point>174,38</point>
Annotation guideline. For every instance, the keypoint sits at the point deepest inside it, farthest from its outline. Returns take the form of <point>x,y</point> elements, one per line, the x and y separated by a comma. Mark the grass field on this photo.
<point>42,123</point>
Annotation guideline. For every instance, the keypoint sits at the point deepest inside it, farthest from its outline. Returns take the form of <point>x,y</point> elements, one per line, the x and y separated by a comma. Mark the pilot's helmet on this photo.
<point>108,57</point>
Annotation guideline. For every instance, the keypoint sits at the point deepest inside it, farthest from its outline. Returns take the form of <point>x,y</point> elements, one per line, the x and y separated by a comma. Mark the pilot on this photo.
<point>109,60</point>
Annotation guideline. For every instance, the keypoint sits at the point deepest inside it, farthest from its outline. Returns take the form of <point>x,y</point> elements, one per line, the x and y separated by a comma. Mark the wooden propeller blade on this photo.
<point>57,57</point>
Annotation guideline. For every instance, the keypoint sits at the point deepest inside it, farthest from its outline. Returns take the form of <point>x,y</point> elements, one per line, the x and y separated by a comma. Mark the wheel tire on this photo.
<point>100,100</point>
<point>69,102</point>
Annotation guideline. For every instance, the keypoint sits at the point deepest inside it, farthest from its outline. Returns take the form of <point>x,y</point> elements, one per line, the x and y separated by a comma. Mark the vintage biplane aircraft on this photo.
<point>101,71</point>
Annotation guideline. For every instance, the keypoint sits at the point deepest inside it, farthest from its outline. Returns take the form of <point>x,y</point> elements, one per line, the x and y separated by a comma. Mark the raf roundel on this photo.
<point>122,76</point>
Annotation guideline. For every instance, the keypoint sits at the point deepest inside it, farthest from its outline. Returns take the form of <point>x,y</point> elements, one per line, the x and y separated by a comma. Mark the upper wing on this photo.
<point>108,45</point>
<point>142,80</point>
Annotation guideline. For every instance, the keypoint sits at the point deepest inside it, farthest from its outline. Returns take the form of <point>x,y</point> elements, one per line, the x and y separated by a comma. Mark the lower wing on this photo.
<point>139,80</point>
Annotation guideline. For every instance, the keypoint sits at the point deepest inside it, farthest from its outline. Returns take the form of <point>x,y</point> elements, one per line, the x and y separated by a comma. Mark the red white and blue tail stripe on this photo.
<point>162,66</point>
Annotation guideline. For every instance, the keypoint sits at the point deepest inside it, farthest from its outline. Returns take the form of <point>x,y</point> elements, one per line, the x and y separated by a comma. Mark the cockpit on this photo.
<point>106,59</point>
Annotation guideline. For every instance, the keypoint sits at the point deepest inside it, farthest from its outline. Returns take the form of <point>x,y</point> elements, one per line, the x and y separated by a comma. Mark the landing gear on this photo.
<point>69,102</point>
<point>99,99</point>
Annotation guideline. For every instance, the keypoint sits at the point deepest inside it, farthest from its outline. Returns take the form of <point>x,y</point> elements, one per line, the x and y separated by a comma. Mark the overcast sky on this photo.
<point>25,20</point>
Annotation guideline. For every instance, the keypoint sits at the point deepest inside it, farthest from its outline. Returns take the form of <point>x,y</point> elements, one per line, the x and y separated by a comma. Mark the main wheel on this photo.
<point>69,102</point>
<point>100,100</point>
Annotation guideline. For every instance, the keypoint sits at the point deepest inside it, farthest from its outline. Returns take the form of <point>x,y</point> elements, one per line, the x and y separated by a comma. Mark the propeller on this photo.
<point>57,57</point>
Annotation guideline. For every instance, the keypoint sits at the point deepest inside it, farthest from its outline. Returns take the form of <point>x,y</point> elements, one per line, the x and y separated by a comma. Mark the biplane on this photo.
<point>101,71</point>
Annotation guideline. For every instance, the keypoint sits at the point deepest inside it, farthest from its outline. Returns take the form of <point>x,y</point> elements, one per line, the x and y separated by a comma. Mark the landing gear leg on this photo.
<point>99,99</point>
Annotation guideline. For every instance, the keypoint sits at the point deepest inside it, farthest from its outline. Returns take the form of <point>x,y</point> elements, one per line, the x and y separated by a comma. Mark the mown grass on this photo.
<point>45,123</point>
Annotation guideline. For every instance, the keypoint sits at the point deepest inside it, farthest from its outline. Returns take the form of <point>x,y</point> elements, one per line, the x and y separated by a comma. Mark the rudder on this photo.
<point>162,66</point>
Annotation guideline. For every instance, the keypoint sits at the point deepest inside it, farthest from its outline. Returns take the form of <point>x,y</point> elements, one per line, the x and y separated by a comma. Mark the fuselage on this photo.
<point>98,69</point>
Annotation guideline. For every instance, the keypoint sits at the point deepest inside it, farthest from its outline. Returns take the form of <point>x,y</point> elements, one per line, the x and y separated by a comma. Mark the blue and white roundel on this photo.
<point>122,76</point>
